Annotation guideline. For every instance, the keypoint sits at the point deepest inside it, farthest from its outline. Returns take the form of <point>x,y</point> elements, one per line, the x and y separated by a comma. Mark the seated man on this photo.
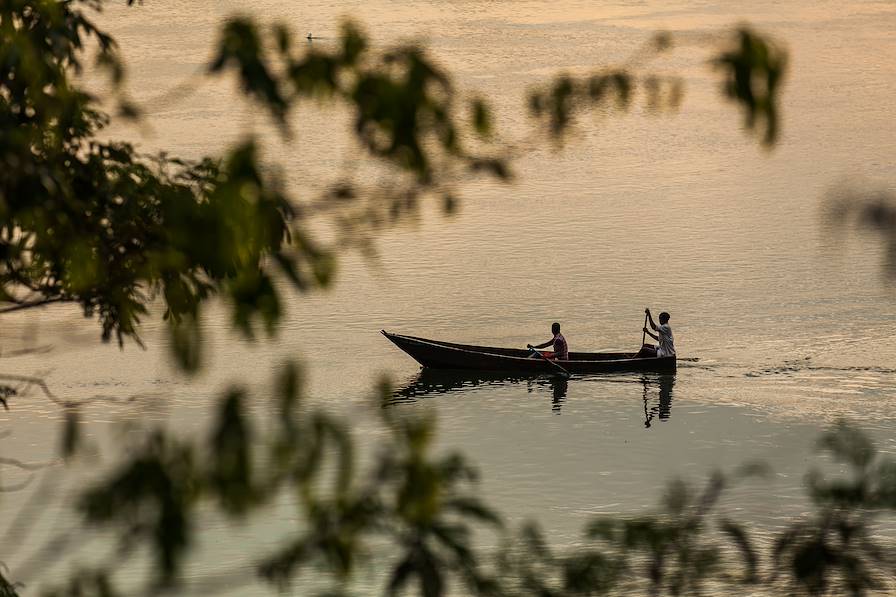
<point>663,334</point>
<point>561,351</point>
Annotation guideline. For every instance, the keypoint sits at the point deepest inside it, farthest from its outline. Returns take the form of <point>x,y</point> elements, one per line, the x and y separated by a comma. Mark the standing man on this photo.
<point>561,350</point>
<point>663,334</point>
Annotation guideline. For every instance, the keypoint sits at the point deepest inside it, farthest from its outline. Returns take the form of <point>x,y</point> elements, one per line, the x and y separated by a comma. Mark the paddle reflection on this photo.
<point>431,382</point>
<point>657,390</point>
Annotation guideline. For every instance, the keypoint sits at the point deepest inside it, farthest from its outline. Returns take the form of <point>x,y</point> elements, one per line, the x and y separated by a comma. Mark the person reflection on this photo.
<point>428,383</point>
<point>559,385</point>
<point>661,385</point>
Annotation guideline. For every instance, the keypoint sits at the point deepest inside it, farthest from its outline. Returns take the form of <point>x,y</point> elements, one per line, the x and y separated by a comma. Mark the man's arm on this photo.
<point>651,334</point>
<point>545,344</point>
<point>650,319</point>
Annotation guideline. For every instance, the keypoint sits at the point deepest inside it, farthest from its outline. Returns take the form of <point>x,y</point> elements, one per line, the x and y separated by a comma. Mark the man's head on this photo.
<point>664,318</point>
<point>555,328</point>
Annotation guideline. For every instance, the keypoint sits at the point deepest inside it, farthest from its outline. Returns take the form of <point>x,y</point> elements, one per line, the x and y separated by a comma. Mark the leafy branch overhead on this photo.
<point>96,224</point>
<point>404,106</point>
<point>751,65</point>
<point>753,71</point>
<point>93,223</point>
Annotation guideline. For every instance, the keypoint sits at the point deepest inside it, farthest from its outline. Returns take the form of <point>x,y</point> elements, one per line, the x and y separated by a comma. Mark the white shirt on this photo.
<point>667,346</point>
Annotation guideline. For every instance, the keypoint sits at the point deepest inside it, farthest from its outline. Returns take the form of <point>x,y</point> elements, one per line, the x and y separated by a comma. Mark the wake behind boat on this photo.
<point>449,355</point>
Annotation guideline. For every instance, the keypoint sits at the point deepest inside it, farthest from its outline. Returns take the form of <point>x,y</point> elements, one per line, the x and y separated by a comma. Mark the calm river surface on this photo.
<point>782,330</point>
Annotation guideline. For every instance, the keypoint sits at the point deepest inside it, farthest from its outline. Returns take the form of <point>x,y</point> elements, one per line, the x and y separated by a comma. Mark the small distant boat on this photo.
<point>448,355</point>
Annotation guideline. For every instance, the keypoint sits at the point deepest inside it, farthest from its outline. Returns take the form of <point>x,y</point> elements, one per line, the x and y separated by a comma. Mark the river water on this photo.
<point>782,329</point>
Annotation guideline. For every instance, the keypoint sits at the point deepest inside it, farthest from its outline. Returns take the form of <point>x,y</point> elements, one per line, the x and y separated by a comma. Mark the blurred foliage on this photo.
<point>403,104</point>
<point>838,549</point>
<point>754,70</point>
<point>871,210</point>
<point>407,118</point>
<point>751,65</point>
<point>420,503</point>
<point>85,583</point>
<point>677,551</point>
<point>7,589</point>
<point>6,392</point>
<point>412,515</point>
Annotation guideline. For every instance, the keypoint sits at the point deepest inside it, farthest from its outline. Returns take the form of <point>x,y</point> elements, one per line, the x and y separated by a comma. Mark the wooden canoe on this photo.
<point>449,355</point>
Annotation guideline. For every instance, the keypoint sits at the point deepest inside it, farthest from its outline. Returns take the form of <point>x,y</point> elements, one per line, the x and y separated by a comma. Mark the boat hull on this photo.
<point>448,355</point>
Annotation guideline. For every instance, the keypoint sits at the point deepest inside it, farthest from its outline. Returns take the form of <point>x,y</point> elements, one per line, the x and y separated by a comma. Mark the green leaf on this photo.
<point>754,70</point>
<point>741,540</point>
<point>354,44</point>
<point>230,445</point>
<point>473,508</point>
<point>481,117</point>
<point>240,48</point>
<point>603,528</point>
<point>150,498</point>
<point>848,444</point>
<point>71,434</point>
<point>185,342</point>
<point>401,574</point>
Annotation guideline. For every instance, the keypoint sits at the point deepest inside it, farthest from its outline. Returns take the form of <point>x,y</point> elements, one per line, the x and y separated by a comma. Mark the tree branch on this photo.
<point>22,522</point>
<point>32,304</point>
<point>17,486</point>
<point>23,465</point>
<point>40,383</point>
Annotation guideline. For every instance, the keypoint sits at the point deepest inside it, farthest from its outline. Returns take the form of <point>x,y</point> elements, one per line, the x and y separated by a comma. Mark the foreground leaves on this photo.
<point>415,516</point>
<point>407,497</point>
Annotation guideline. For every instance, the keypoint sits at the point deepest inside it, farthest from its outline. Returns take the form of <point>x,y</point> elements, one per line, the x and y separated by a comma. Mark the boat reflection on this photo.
<point>430,382</point>
<point>657,388</point>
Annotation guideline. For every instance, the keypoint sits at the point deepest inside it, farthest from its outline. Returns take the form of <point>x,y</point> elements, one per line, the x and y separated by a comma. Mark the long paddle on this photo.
<point>644,330</point>
<point>640,353</point>
<point>564,371</point>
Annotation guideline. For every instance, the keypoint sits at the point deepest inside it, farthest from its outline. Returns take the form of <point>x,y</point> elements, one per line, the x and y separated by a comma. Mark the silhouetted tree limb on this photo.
<point>31,305</point>
<point>29,381</point>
